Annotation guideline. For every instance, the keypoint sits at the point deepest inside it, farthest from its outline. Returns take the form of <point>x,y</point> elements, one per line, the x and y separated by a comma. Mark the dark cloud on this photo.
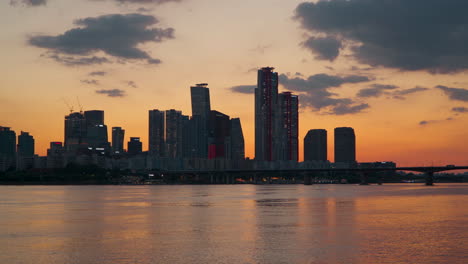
<point>146,1</point>
<point>428,35</point>
<point>344,109</point>
<point>460,109</point>
<point>319,81</point>
<point>410,91</point>
<point>28,2</point>
<point>457,94</point>
<point>427,122</point>
<point>90,82</point>
<point>116,35</point>
<point>97,73</point>
<point>131,84</point>
<point>326,48</point>
<point>376,90</point>
<point>315,92</point>
<point>112,92</point>
<point>245,89</point>
<point>76,60</point>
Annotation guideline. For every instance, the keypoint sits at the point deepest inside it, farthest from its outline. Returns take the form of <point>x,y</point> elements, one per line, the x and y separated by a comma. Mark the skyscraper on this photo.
<point>118,135</point>
<point>7,148</point>
<point>345,145</point>
<point>94,117</point>
<point>55,155</point>
<point>287,130</point>
<point>219,135</point>
<point>237,140</point>
<point>174,133</point>
<point>266,98</point>
<point>75,132</point>
<point>25,145</point>
<point>201,107</point>
<point>200,95</point>
<point>134,146</point>
<point>315,145</point>
<point>96,131</point>
<point>156,133</point>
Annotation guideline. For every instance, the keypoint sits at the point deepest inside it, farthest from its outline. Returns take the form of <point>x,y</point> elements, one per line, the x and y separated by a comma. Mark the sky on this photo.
<point>395,71</point>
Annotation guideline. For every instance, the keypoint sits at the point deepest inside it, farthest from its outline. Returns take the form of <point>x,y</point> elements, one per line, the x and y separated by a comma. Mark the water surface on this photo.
<point>406,223</point>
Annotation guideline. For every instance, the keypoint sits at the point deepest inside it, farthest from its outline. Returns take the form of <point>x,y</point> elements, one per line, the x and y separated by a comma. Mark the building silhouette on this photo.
<point>156,133</point>
<point>134,146</point>
<point>55,155</point>
<point>237,140</point>
<point>315,145</point>
<point>118,135</point>
<point>174,133</point>
<point>266,98</point>
<point>96,132</point>
<point>345,145</point>
<point>75,132</point>
<point>25,145</point>
<point>201,107</point>
<point>7,148</point>
<point>219,135</point>
<point>287,130</point>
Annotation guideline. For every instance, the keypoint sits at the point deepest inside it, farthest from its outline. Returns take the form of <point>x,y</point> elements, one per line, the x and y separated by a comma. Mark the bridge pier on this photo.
<point>429,178</point>
<point>307,178</point>
<point>364,179</point>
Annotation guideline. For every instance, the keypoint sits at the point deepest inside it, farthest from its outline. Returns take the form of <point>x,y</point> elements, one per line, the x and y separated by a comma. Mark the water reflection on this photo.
<point>234,224</point>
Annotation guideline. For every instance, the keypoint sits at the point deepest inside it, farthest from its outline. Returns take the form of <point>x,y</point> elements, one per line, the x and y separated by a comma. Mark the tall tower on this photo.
<point>201,107</point>
<point>345,145</point>
<point>96,131</point>
<point>75,132</point>
<point>7,148</point>
<point>220,136</point>
<point>266,98</point>
<point>287,130</point>
<point>174,133</point>
<point>200,95</point>
<point>315,145</point>
<point>156,133</point>
<point>25,145</point>
<point>118,135</point>
<point>237,140</point>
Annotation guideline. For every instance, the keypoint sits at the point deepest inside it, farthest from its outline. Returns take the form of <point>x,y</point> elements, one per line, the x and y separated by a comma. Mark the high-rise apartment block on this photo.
<point>156,133</point>
<point>118,135</point>
<point>134,146</point>
<point>287,133</point>
<point>345,145</point>
<point>315,145</point>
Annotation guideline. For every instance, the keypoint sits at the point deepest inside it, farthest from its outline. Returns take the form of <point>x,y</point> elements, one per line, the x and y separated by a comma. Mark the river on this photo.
<point>391,223</point>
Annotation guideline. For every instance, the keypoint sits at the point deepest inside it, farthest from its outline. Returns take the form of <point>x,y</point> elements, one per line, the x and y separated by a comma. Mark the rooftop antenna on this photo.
<point>79,104</point>
<point>68,105</point>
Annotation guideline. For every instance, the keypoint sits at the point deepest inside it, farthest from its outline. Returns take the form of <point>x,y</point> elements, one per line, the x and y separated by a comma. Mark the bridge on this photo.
<point>228,176</point>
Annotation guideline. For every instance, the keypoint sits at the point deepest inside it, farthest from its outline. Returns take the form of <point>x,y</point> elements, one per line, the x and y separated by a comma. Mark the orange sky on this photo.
<point>218,42</point>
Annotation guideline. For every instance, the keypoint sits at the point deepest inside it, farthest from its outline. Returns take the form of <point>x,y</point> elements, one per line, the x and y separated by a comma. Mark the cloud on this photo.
<point>146,1</point>
<point>326,48</point>
<point>261,49</point>
<point>28,2</point>
<point>315,92</point>
<point>90,82</point>
<point>76,60</point>
<point>376,90</point>
<point>428,35</point>
<point>245,89</point>
<point>112,92</point>
<point>410,91</point>
<point>116,35</point>
<point>460,109</point>
<point>428,122</point>
<point>131,84</point>
<point>97,73</point>
<point>456,94</point>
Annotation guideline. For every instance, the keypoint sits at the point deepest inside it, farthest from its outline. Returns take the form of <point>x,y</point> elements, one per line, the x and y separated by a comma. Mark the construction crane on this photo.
<point>68,105</point>
<point>79,104</point>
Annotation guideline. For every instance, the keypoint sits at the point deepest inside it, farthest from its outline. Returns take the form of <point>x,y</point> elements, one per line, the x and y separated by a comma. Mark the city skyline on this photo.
<point>407,113</point>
